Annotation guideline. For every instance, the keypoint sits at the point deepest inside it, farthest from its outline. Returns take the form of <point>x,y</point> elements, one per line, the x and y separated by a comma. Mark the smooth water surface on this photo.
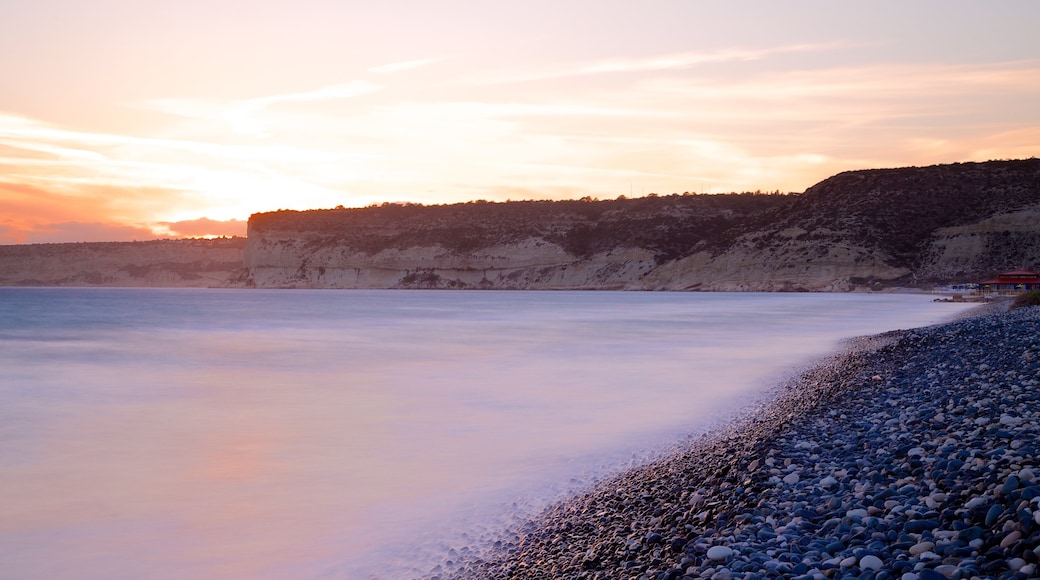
<point>341,434</point>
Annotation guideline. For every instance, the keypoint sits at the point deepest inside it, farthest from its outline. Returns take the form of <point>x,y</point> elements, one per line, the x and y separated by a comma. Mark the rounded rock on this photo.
<point>719,553</point>
<point>975,502</point>
<point>920,548</point>
<point>993,513</point>
<point>1011,538</point>
<point>871,562</point>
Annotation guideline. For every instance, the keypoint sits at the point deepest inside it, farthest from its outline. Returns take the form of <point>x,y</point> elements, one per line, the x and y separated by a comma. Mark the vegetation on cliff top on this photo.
<point>671,226</point>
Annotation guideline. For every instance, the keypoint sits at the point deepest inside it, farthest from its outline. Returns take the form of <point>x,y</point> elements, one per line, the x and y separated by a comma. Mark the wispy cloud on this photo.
<point>663,62</point>
<point>242,116</point>
<point>879,81</point>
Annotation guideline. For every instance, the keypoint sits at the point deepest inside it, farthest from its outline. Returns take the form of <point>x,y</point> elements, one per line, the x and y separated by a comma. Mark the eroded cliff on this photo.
<point>859,229</point>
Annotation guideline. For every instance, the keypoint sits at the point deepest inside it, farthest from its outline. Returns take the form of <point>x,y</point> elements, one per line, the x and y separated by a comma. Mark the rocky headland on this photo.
<point>912,456</point>
<point>859,230</point>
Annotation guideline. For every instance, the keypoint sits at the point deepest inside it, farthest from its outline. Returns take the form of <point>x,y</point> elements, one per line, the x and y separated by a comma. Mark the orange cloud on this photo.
<point>205,228</point>
<point>86,232</point>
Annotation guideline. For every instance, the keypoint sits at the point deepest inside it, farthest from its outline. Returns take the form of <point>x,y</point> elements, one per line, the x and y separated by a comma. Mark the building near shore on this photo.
<point>1012,282</point>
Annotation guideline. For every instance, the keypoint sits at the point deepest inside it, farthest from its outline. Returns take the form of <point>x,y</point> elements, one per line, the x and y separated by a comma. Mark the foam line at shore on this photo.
<point>911,455</point>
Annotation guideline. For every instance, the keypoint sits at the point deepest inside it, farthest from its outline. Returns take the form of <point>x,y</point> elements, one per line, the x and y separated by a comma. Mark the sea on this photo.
<point>212,433</point>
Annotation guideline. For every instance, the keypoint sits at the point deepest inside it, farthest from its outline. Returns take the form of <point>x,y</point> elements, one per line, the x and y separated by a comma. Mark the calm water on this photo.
<point>341,434</point>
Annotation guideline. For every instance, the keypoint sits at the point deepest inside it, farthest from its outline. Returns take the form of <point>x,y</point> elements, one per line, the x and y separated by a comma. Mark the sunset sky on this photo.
<point>136,119</point>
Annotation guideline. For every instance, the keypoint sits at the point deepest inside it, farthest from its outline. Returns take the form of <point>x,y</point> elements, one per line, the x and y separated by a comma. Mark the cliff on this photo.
<point>516,245</point>
<point>161,263</point>
<point>859,229</point>
<point>914,226</point>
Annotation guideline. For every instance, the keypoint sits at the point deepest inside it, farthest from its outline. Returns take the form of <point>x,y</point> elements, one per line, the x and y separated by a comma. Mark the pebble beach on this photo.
<point>910,455</point>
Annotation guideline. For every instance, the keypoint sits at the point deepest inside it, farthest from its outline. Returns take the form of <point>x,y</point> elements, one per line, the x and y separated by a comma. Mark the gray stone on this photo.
<point>719,553</point>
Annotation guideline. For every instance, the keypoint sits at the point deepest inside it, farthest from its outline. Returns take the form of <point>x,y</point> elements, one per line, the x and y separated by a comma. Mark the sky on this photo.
<point>139,119</point>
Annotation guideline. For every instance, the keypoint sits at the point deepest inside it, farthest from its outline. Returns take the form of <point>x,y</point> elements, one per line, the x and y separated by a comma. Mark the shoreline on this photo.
<point>910,454</point>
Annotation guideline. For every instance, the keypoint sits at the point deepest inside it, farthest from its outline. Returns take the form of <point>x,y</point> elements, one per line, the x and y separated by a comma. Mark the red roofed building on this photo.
<point>1012,282</point>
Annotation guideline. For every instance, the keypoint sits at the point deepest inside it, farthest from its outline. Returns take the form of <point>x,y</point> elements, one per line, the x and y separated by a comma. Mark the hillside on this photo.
<point>160,263</point>
<point>859,229</point>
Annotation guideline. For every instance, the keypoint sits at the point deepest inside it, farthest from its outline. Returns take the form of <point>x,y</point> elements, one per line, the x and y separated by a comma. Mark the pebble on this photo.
<point>920,548</point>
<point>913,455</point>
<point>1011,538</point>
<point>975,502</point>
<point>719,553</point>
<point>870,562</point>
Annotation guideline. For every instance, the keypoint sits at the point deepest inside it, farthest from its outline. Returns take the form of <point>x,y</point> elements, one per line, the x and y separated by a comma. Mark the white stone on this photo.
<point>791,478</point>
<point>1016,564</point>
<point>828,482</point>
<point>1009,420</point>
<point>857,513</point>
<point>848,562</point>
<point>909,576</point>
<point>719,553</point>
<point>1027,474</point>
<point>870,562</point>
<point>920,548</point>
<point>915,452</point>
<point>975,502</point>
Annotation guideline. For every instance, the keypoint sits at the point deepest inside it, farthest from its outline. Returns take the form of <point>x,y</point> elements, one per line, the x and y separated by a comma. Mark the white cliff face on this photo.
<point>288,262</point>
<point>790,266</point>
<point>1012,238</point>
<point>795,264</point>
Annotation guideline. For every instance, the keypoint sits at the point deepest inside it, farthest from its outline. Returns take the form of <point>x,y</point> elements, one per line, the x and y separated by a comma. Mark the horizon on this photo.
<point>130,120</point>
